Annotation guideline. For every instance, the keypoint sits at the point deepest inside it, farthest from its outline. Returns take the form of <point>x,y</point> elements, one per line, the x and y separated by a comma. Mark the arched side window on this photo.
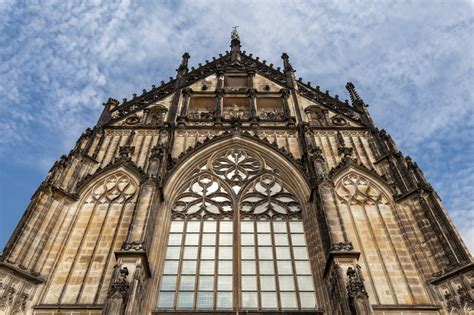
<point>236,240</point>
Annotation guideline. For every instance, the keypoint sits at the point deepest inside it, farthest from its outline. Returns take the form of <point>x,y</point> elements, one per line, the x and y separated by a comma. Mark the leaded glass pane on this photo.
<point>248,252</point>
<point>177,226</point>
<point>249,267</point>
<point>207,267</point>
<point>296,227</point>
<point>266,267</point>
<point>298,240</point>
<point>190,252</point>
<point>168,283</point>
<point>206,283</point>
<point>225,252</point>
<point>209,239</point>
<point>187,283</point>
<point>267,283</point>
<point>307,300</point>
<point>249,300</point>
<point>193,226</point>
<point>191,239</point>
<point>287,283</point>
<point>300,253</point>
<point>209,226</point>
<point>225,239</point>
<point>265,253</point>
<point>247,239</point>
<point>269,300</point>
<point>204,300</point>
<point>175,239</point>
<point>281,239</point>
<point>208,252</point>
<point>185,300</point>
<point>305,283</point>
<point>225,267</point>
<point>288,300</point>
<point>173,252</point>
<point>280,227</point>
<point>166,300</point>
<point>284,267</point>
<point>246,227</point>
<point>264,240</point>
<point>171,267</point>
<point>303,267</point>
<point>283,253</point>
<point>224,283</point>
<point>224,299</point>
<point>263,227</point>
<point>189,267</point>
<point>249,283</point>
<point>226,226</point>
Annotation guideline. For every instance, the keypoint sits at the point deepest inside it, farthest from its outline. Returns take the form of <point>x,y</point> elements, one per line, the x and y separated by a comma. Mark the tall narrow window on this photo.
<point>236,190</point>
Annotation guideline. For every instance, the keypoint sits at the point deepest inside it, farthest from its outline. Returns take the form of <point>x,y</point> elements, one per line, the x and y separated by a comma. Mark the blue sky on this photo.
<point>411,61</point>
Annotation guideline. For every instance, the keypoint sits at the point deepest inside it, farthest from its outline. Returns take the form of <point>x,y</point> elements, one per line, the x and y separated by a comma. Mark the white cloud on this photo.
<point>412,61</point>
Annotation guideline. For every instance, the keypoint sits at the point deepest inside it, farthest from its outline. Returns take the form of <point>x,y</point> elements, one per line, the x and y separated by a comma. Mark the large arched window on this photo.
<point>236,240</point>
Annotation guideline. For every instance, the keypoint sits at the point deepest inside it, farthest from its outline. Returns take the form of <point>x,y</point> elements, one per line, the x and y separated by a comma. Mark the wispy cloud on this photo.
<point>412,61</point>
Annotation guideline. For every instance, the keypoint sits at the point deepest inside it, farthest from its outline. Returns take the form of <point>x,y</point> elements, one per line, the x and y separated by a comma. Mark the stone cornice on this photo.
<point>28,276</point>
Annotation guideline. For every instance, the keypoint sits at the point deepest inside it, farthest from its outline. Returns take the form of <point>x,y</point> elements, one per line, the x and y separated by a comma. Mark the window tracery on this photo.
<point>236,188</point>
<point>356,189</point>
<point>116,188</point>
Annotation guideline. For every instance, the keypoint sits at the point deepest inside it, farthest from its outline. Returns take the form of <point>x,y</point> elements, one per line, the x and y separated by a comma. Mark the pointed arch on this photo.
<point>269,157</point>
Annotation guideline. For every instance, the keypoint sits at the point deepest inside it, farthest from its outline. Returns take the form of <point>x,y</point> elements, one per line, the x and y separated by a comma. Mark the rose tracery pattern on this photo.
<point>355,189</point>
<point>204,195</point>
<point>116,188</point>
<point>268,196</point>
<point>236,166</point>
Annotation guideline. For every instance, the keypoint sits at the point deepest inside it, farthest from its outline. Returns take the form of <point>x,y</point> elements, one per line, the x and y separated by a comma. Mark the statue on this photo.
<point>234,34</point>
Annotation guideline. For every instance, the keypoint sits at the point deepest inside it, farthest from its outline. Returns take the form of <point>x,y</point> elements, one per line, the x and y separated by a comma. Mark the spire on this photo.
<point>355,98</point>
<point>235,45</point>
<point>183,67</point>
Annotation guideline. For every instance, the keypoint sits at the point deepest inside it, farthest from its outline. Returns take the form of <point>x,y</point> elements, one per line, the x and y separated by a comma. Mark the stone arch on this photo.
<point>285,168</point>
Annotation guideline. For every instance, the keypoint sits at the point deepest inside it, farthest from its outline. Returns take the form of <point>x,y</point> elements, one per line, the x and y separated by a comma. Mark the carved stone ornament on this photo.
<point>355,189</point>
<point>342,246</point>
<point>235,111</point>
<point>120,287</point>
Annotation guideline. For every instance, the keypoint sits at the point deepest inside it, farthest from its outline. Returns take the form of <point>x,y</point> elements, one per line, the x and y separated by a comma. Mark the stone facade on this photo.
<point>92,239</point>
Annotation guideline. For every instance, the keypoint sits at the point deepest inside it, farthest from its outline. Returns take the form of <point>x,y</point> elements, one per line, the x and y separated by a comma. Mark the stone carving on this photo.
<point>355,189</point>
<point>272,115</point>
<point>201,115</point>
<point>358,297</point>
<point>342,246</point>
<point>117,188</point>
<point>235,111</point>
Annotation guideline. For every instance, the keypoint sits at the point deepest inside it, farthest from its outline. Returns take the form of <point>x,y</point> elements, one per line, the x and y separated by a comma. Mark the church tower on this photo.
<point>235,188</point>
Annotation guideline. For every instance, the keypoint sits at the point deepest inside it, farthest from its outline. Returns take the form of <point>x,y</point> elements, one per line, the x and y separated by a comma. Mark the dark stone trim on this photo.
<point>445,274</point>
<point>69,306</point>
<point>36,279</point>
<point>246,312</point>
<point>418,307</point>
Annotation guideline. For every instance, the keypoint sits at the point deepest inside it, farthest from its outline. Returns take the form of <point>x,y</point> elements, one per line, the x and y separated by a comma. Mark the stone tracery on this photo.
<point>354,188</point>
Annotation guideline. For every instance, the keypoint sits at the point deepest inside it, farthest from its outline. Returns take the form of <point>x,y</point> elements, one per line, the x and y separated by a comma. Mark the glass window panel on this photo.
<point>224,299</point>
<point>191,239</point>
<point>249,267</point>
<point>266,267</point>
<point>204,300</point>
<point>176,226</point>
<point>288,300</point>
<point>305,283</point>
<point>225,239</point>
<point>168,283</point>
<point>187,283</point>
<point>249,283</point>
<point>247,239</point>
<point>208,252</point>
<point>249,300</point>
<point>296,227</point>
<point>224,283</point>
<point>193,226</point>
<point>226,226</point>
<point>171,267</point>
<point>279,227</point>
<point>264,239</point>
<point>175,239</point>
<point>300,252</point>
<point>284,267</point>
<point>207,267</point>
<point>248,252</point>
<point>303,267</point>
<point>287,283</point>
<point>209,226</point>
<point>189,267</point>
<point>173,252</point>
<point>283,253</point>
<point>166,300</point>
<point>190,252</point>
<point>269,300</point>
<point>281,239</point>
<point>206,283</point>
<point>267,283</point>
<point>246,227</point>
<point>185,299</point>
<point>298,240</point>
<point>263,227</point>
<point>225,267</point>
<point>225,252</point>
<point>208,239</point>
<point>265,253</point>
<point>307,300</point>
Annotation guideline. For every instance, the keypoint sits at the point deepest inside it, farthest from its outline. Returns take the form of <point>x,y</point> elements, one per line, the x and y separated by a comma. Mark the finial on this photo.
<point>286,62</point>
<point>355,98</point>
<point>183,67</point>
<point>234,35</point>
<point>235,45</point>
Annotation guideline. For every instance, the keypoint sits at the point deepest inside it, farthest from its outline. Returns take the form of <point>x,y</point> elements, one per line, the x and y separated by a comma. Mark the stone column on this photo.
<point>285,93</point>
<point>182,118</point>
<point>219,98</point>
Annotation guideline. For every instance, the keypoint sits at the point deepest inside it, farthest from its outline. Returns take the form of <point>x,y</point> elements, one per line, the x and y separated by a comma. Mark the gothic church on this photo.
<point>235,188</point>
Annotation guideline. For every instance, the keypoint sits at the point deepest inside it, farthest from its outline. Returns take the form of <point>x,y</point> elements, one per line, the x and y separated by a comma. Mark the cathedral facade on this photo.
<point>235,188</point>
